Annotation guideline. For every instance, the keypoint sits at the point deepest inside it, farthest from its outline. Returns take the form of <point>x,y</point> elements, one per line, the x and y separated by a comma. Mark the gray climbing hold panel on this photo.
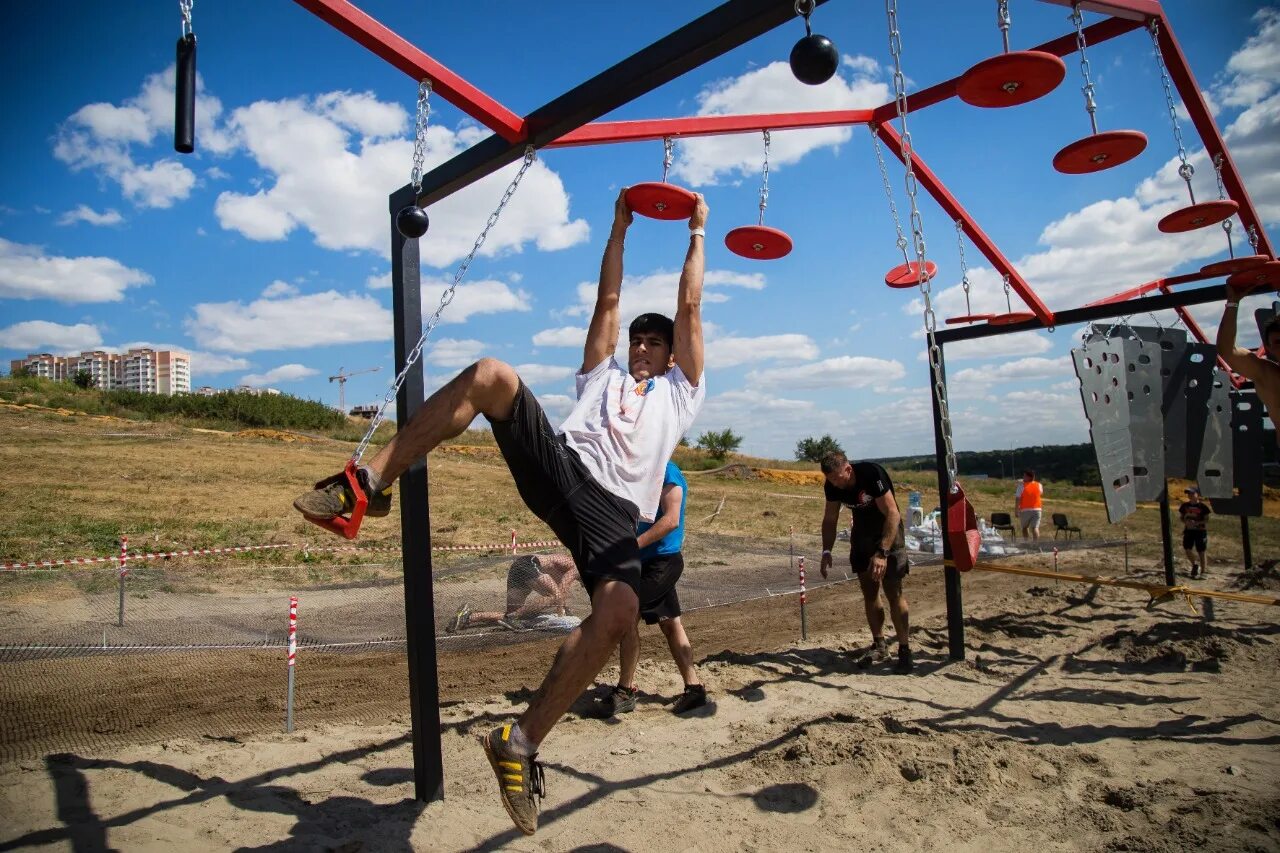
<point>1247,449</point>
<point>1100,366</point>
<point>1144,389</point>
<point>1173,408</point>
<point>1215,476</point>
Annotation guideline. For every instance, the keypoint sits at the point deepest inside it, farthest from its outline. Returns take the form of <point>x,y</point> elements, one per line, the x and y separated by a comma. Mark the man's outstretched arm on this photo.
<point>1237,358</point>
<point>602,335</point>
<point>688,331</point>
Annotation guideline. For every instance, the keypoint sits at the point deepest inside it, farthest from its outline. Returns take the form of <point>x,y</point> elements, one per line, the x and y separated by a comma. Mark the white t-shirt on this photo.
<point>624,430</point>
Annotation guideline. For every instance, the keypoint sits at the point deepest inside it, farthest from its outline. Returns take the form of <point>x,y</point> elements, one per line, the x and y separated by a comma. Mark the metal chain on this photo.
<point>1008,301</point>
<point>1253,238</point>
<point>1089,103</point>
<point>764,184</point>
<point>1186,170</point>
<point>668,148</point>
<point>888,191</point>
<point>185,7</point>
<point>1227,224</point>
<point>1226,227</point>
<point>805,7</point>
<point>917,233</point>
<point>529,156</point>
<point>964,267</point>
<point>420,133</point>
<point>1004,21</point>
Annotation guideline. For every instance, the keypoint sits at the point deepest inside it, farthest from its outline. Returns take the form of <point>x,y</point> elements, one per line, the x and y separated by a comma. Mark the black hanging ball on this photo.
<point>814,59</point>
<point>412,221</point>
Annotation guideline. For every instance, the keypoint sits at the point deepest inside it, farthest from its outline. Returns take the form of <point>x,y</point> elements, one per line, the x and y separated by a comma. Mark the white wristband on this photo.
<point>698,232</point>
<point>826,553</point>
<point>1233,304</point>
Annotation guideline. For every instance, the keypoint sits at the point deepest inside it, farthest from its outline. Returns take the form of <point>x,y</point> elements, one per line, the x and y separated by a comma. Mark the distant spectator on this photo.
<point>1028,503</point>
<point>1195,533</point>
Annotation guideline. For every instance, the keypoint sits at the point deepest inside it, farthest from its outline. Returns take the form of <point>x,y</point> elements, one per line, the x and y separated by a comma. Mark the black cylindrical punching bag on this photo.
<point>184,108</point>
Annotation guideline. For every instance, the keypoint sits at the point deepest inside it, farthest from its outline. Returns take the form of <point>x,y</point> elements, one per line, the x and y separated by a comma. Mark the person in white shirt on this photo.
<point>591,482</point>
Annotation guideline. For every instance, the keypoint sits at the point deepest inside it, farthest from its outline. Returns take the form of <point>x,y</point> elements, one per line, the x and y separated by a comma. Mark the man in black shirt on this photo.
<point>1195,534</point>
<point>877,549</point>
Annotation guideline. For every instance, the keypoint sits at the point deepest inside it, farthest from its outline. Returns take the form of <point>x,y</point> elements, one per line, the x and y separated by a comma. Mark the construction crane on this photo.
<point>341,378</point>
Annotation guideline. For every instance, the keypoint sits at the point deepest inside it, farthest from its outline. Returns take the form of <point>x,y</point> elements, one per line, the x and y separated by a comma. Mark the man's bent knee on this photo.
<point>615,608</point>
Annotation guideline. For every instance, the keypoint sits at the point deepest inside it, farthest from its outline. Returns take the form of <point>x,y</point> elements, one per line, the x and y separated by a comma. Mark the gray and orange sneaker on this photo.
<point>520,778</point>
<point>333,497</point>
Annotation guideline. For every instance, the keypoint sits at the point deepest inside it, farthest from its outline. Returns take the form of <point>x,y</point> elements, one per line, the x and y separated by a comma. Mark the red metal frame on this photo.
<point>1161,284</point>
<point>635,131</point>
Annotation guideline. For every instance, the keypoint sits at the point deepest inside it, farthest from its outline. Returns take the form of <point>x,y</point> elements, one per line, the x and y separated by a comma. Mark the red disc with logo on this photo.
<point>908,275</point>
<point>1011,318</point>
<point>758,242</point>
<point>1265,277</point>
<point>1231,266</point>
<point>1198,216</point>
<point>1100,151</point>
<point>659,200</point>
<point>969,318</point>
<point>1011,79</point>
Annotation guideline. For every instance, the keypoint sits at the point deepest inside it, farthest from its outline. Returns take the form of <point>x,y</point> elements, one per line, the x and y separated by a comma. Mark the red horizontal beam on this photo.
<point>1137,10</point>
<point>385,43</point>
<point>635,131</point>
<point>1064,46</point>
<point>948,202</point>
<point>1161,284</point>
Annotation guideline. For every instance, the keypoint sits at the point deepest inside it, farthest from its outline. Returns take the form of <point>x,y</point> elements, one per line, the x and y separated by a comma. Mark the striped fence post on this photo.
<point>513,542</point>
<point>804,621</point>
<point>124,569</point>
<point>293,657</point>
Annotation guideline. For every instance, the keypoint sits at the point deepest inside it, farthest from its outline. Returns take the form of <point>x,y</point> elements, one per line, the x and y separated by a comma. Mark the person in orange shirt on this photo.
<point>1027,503</point>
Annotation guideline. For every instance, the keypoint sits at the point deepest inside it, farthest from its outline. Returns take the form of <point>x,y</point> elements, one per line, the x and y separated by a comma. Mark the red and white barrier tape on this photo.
<point>293,629</point>
<point>123,556</point>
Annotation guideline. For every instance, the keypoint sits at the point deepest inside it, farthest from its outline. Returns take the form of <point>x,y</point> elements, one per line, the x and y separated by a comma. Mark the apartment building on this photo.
<point>142,369</point>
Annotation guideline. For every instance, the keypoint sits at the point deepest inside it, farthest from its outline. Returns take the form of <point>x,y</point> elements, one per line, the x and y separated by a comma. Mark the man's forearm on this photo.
<point>828,534</point>
<point>889,535</point>
<point>1227,330</point>
<point>660,529</point>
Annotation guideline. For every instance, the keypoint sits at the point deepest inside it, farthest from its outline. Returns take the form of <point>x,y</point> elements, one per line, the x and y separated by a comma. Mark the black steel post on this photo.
<point>1245,543</point>
<point>415,524</point>
<point>1166,537</point>
<point>955,600</point>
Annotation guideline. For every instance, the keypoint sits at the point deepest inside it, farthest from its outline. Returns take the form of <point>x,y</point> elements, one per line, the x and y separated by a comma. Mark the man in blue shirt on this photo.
<point>661,566</point>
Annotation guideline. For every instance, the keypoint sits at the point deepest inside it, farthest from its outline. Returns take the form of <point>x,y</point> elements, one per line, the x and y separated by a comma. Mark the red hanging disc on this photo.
<point>1266,276</point>
<point>758,242</point>
<point>1011,318</point>
<point>1231,266</point>
<point>1198,216</point>
<point>908,275</point>
<point>1100,151</point>
<point>659,200</point>
<point>962,531</point>
<point>969,318</point>
<point>1010,79</point>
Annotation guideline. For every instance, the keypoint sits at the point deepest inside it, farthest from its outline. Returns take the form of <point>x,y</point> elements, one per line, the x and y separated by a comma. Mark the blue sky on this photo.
<point>265,254</point>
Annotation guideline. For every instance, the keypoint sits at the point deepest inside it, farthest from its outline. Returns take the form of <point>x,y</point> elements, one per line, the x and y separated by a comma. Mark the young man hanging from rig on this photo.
<point>590,483</point>
<point>1265,372</point>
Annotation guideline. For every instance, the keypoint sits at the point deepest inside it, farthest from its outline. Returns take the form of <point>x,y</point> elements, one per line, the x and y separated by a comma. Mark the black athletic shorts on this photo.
<point>860,554</point>
<point>1197,539</point>
<point>597,527</point>
<point>658,588</point>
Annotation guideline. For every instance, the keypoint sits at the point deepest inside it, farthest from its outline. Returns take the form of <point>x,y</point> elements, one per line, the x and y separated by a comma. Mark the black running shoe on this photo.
<point>904,664</point>
<point>694,696</point>
<point>620,700</point>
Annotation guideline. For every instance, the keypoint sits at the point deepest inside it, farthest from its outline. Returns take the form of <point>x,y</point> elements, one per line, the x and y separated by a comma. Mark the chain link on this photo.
<point>1089,103</point>
<point>1004,21</point>
<point>185,7</point>
<point>529,156</point>
<point>917,234</point>
<point>888,191</point>
<point>764,183</point>
<point>420,134</point>
<point>964,267</point>
<point>668,149</point>
<point>1253,238</point>
<point>1186,170</point>
<point>1008,300</point>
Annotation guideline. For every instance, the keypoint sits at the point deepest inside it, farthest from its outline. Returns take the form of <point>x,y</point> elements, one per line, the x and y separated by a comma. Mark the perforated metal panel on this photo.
<point>1173,405</point>
<point>1215,475</point>
<point>1100,366</point>
<point>1145,392</point>
<point>1247,446</point>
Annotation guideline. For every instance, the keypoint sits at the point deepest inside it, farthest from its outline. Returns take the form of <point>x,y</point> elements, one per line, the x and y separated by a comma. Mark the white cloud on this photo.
<point>850,371</point>
<point>34,335</point>
<point>565,336</point>
<point>84,213</point>
<point>279,288</point>
<point>774,89</point>
<point>333,159</point>
<point>1031,368</point>
<point>101,138</point>
<point>730,351</point>
<point>451,352</point>
<point>557,406</point>
<point>536,374</point>
<point>1022,344</point>
<point>319,319</point>
<point>379,281</point>
<point>479,297</point>
<point>657,292</point>
<point>283,373</point>
<point>26,272</point>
